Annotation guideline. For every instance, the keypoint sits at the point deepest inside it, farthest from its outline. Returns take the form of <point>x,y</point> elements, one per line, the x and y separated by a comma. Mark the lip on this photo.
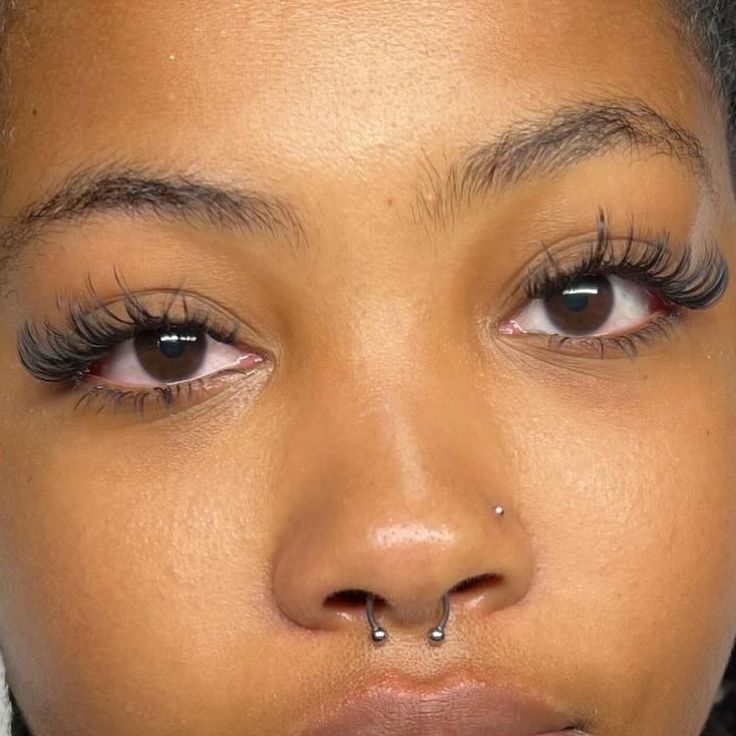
<point>465,708</point>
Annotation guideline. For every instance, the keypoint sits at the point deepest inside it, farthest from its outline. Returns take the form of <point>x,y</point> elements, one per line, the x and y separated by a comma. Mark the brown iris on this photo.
<point>171,354</point>
<point>582,308</point>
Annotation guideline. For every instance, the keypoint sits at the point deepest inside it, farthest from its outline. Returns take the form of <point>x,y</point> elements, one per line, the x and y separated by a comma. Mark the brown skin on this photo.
<point>169,575</point>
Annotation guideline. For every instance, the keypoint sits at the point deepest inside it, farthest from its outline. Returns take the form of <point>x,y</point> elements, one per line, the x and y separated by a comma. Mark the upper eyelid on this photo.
<point>186,299</point>
<point>679,272</point>
<point>656,253</point>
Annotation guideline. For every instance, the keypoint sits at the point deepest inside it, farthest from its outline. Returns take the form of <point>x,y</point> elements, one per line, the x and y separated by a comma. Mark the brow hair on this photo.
<point>708,28</point>
<point>137,191</point>
<point>540,145</point>
<point>547,144</point>
<point>145,193</point>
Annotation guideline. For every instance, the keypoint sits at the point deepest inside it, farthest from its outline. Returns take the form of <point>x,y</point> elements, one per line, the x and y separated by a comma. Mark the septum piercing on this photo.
<point>435,635</point>
<point>378,634</point>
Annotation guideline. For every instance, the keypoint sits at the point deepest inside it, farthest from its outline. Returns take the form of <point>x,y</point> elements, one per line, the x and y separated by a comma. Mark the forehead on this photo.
<point>314,87</point>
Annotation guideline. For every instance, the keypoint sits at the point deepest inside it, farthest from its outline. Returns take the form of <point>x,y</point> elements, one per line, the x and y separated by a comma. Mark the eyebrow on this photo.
<point>542,145</point>
<point>548,144</point>
<point>142,193</point>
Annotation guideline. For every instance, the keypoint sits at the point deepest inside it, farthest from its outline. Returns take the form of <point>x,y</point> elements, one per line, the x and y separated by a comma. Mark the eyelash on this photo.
<point>66,356</point>
<point>682,283</point>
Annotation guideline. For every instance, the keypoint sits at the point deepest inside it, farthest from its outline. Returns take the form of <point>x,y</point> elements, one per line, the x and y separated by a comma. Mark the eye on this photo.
<point>602,305</point>
<point>168,355</point>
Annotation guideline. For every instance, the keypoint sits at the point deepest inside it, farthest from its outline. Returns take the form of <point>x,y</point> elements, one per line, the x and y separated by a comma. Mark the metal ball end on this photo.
<point>436,636</point>
<point>499,511</point>
<point>379,635</point>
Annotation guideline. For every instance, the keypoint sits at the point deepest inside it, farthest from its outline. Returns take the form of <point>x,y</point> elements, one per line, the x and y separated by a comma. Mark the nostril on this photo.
<point>355,599</point>
<point>351,599</point>
<point>476,584</point>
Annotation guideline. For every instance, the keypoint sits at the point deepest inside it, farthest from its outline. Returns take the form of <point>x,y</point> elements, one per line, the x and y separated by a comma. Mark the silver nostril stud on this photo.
<point>499,510</point>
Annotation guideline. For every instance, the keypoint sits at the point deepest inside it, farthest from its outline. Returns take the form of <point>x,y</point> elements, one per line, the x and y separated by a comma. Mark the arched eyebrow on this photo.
<point>548,144</point>
<point>540,145</point>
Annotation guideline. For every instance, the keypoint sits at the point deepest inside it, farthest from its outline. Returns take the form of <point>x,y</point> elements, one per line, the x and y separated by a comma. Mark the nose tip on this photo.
<point>481,562</point>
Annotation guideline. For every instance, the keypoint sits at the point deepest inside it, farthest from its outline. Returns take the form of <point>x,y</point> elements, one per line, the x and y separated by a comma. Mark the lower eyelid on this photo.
<point>627,345</point>
<point>99,395</point>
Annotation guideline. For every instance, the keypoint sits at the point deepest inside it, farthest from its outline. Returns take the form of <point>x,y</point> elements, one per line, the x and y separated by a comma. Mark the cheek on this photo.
<point>134,568</point>
<point>633,512</point>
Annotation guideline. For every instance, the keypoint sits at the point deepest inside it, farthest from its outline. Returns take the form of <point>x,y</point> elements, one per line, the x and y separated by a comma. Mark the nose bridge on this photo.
<point>389,441</point>
<point>395,500</point>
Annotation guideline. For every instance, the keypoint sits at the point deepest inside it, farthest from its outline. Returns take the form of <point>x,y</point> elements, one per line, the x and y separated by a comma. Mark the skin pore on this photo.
<point>361,188</point>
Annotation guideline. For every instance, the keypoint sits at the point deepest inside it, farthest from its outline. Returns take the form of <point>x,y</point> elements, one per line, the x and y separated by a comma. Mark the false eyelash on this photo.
<point>113,397</point>
<point>681,281</point>
<point>66,355</point>
<point>628,344</point>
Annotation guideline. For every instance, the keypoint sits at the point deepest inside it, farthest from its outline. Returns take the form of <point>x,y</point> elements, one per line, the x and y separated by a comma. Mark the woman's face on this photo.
<point>322,248</point>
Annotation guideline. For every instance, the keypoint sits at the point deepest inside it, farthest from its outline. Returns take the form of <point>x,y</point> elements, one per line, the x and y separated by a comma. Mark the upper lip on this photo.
<point>462,708</point>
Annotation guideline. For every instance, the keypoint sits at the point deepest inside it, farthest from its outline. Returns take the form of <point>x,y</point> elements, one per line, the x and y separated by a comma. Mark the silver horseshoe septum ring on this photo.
<point>435,635</point>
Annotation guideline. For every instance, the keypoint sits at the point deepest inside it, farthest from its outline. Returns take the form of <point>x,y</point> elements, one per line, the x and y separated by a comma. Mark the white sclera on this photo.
<point>631,309</point>
<point>122,366</point>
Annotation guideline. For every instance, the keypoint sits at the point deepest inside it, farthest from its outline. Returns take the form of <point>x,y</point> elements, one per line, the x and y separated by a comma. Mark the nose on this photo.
<point>397,511</point>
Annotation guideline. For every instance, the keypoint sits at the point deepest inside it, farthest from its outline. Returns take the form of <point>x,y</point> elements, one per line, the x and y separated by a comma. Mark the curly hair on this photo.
<point>722,721</point>
<point>711,25</point>
<point>710,28</point>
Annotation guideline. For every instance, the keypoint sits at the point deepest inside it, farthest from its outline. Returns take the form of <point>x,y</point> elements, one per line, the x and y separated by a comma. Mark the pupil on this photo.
<point>170,354</point>
<point>575,302</point>
<point>582,308</point>
<point>173,345</point>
